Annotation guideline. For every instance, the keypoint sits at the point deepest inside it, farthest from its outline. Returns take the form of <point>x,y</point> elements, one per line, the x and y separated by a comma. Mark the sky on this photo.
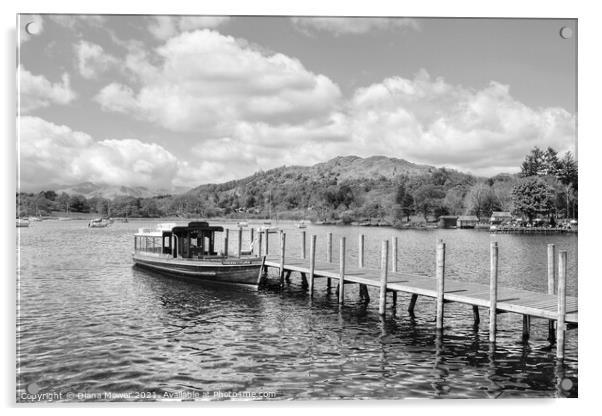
<point>177,101</point>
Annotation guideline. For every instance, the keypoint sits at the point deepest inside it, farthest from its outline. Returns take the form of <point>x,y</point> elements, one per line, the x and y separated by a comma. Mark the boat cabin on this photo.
<point>195,240</point>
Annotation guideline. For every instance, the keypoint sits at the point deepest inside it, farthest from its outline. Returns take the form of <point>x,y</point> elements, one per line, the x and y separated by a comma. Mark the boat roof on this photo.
<point>177,229</point>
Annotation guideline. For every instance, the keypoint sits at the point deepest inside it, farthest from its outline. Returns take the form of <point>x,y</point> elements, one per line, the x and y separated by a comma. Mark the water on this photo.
<point>92,327</point>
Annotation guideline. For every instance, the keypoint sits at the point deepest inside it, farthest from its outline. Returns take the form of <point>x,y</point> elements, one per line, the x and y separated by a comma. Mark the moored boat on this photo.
<point>302,224</point>
<point>189,251</point>
<point>100,222</point>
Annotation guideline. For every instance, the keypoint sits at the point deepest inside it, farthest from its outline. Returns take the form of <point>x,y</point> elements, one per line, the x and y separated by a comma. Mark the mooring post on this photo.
<point>259,241</point>
<point>384,265</point>
<point>560,325</point>
<point>394,255</point>
<point>551,284</point>
<point>267,242</point>
<point>440,272</point>
<point>360,251</point>
<point>239,248</point>
<point>282,249</point>
<point>328,256</point>
<point>342,271</point>
<point>226,242</point>
<point>360,260</point>
<point>303,245</point>
<point>252,231</point>
<point>312,264</point>
<point>394,299</point>
<point>493,270</point>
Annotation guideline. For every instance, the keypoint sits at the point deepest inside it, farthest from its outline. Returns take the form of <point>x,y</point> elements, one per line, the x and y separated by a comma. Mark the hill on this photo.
<point>94,190</point>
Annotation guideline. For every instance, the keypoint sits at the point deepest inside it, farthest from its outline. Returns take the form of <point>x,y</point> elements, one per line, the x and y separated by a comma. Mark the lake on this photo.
<point>92,327</point>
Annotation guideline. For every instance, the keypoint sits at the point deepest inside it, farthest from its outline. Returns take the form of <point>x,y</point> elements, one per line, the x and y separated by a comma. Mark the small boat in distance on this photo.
<point>100,222</point>
<point>302,224</point>
<point>22,222</point>
<point>189,251</point>
<point>242,224</point>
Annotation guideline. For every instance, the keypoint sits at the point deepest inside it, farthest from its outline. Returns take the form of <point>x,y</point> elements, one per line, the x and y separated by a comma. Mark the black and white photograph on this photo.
<point>272,208</point>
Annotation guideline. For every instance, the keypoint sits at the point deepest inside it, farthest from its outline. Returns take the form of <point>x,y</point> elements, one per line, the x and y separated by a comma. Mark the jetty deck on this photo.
<point>525,302</point>
<point>560,310</point>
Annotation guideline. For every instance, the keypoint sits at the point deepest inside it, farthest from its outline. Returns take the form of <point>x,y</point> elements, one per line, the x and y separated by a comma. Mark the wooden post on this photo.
<point>342,271</point>
<point>526,327</point>
<point>282,250</point>
<point>440,273</point>
<point>493,271</point>
<point>384,265</point>
<point>239,248</point>
<point>267,242</point>
<point>394,300</point>
<point>560,325</point>
<point>312,264</point>
<point>260,277</point>
<point>252,231</point>
<point>328,256</point>
<point>394,255</point>
<point>551,284</point>
<point>303,245</point>
<point>260,242</point>
<point>226,242</point>
<point>412,304</point>
<point>360,251</point>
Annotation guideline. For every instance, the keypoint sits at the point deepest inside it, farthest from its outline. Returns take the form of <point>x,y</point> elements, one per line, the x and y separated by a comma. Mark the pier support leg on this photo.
<point>551,287</point>
<point>329,259</point>
<point>384,265</point>
<point>303,245</point>
<point>304,283</point>
<point>493,291</point>
<point>312,264</point>
<point>364,296</point>
<point>440,263</point>
<point>526,327</point>
<point>412,304</point>
<point>328,284</point>
<point>287,277</point>
<point>475,315</point>
<point>342,271</point>
<point>394,300</point>
<point>560,323</point>
<point>394,255</point>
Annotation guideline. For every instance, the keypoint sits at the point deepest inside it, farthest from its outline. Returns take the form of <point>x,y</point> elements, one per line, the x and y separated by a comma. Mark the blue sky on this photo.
<point>183,100</point>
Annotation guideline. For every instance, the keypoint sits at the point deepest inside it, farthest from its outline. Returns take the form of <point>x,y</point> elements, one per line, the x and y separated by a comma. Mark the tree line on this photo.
<point>546,186</point>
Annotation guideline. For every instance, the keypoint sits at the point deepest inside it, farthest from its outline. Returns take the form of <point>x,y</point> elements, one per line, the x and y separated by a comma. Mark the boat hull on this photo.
<point>232,271</point>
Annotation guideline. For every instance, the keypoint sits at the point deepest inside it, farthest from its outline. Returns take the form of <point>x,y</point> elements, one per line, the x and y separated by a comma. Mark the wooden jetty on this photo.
<point>560,310</point>
<point>509,229</point>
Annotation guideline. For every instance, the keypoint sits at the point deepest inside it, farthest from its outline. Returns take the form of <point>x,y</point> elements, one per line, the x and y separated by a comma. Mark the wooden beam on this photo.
<point>312,264</point>
<point>342,271</point>
<point>493,271</point>
<point>526,327</point>
<point>475,315</point>
<point>551,286</point>
<point>303,245</point>
<point>282,252</point>
<point>394,255</point>
<point>560,323</point>
<point>239,248</point>
<point>384,265</point>
<point>440,274</point>
<point>412,304</point>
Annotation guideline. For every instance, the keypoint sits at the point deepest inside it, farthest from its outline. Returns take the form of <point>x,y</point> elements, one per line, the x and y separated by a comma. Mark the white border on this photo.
<point>590,274</point>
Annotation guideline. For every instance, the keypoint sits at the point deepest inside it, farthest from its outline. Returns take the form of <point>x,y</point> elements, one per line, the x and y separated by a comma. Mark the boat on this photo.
<point>302,224</point>
<point>22,222</point>
<point>100,222</point>
<point>242,224</point>
<point>189,251</point>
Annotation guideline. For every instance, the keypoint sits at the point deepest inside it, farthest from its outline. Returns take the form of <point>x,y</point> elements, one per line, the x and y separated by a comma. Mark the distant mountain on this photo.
<point>90,190</point>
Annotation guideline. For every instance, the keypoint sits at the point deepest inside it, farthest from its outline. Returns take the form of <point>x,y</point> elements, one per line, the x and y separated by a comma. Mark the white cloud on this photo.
<point>92,60</point>
<point>352,25</point>
<point>51,153</point>
<point>165,27</point>
<point>36,91</point>
<point>207,81</point>
<point>78,21</point>
<point>428,120</point>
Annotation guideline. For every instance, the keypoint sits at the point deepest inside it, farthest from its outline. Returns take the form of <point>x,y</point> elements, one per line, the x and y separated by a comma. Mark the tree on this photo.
<point>550,162</point>
<point>481,201</point>
<point>533,164</point>
<point>532,196</point>
<point>454,200</point>
<point>428,198</point>
<point>63,200</point>
<point>79,203</point>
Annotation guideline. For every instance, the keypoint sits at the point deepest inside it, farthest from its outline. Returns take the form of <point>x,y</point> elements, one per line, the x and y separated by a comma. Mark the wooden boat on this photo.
<point>22,222</point>
<point>189,251</point>
<point>302,224</point>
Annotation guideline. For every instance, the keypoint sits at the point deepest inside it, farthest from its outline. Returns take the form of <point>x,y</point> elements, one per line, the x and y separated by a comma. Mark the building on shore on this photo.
<point>500,217</point>
<point>448,221</point>
<point>467,221</point>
